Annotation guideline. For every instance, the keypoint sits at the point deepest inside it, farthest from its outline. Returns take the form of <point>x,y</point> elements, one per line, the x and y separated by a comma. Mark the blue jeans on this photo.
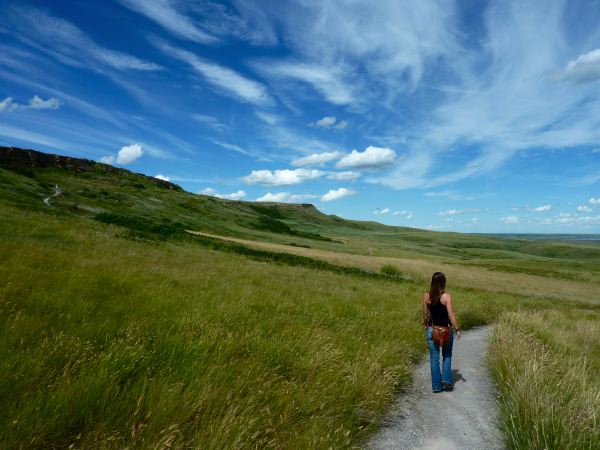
<point>445,375</point>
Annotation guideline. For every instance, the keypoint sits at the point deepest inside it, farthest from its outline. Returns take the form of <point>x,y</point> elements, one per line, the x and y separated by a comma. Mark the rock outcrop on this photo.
<point>25,158</point>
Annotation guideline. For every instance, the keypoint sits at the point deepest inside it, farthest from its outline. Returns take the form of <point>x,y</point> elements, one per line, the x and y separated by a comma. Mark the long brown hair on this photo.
<point>438,283</point>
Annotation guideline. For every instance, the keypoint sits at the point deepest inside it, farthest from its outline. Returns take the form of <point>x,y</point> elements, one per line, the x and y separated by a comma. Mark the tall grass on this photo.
<point>547,366</point>
<point>112,342</point>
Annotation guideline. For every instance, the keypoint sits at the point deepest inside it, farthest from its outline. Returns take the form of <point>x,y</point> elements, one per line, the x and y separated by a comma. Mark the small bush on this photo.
<point>391,271</point>
<point>141,227</point>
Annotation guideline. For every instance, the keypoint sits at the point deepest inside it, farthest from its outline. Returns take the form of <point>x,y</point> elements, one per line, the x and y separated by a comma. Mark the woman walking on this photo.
<point>438,316</point>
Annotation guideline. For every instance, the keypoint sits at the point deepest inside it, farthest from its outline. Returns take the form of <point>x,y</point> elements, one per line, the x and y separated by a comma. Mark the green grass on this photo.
<point>547,367</point>
<point>118,341</point>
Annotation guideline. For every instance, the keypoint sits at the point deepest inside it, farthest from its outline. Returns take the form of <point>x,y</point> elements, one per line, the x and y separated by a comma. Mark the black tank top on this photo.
<point>439,314</point>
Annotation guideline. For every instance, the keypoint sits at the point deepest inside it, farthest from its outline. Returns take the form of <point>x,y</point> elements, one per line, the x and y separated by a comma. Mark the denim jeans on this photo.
<point>445,375</point>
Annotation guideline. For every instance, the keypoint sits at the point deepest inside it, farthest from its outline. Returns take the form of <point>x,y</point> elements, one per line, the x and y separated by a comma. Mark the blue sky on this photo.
<point>464,116</point>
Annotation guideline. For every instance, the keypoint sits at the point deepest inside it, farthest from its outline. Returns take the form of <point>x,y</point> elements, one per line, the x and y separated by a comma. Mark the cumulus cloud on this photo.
<point>282,177</point>
<point>317,158</point>
<point>584,208</point>
<point>330,122</point>
<point>594,201</point>
<point>344,176</point>
<point>239,195</point>
<point>336,194</point>
<point>326,122</point>
<point>127,155</point>
<point>583,69</point>
<point>36,102</point>
<point>509,219</point>
<point>162,177</point>
<point>371,158</point>
<point>285,197</point>
<point>544,208</point>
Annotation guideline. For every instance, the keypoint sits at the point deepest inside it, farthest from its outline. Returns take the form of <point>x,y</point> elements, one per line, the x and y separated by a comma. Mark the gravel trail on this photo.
<point>462,419</point>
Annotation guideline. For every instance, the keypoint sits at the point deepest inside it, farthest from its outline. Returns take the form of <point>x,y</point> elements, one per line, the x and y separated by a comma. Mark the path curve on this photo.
<point>462,419</point>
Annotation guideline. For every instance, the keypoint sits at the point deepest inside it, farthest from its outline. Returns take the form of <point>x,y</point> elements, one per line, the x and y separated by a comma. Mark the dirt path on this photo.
<point>462,419</point>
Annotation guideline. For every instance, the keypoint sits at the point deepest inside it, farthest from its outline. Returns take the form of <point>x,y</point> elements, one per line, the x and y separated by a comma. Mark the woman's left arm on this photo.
<point>426,313</point>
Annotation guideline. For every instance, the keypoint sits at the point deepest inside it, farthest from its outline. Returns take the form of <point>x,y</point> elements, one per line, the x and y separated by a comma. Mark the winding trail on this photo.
<point>462,419</point>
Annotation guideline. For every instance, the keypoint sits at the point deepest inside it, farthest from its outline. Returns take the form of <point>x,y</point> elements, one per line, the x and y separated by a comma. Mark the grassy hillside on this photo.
<point>120,329</point>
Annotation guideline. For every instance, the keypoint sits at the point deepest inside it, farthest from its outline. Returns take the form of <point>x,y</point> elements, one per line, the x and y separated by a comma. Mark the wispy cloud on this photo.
<point>330,122</point>
<point>226,80</point>
<point>167,14</point>
<point>583,69</point>
<point>509,219</point>
<point>211,121</point>
<point>65,41</point>
<point>503,100</point>
<point>544,208</point>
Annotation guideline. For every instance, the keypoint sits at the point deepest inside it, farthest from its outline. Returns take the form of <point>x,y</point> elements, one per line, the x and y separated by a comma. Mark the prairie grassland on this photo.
<point>461,275</point>
<point>547,367</point>
<point>112,342</point>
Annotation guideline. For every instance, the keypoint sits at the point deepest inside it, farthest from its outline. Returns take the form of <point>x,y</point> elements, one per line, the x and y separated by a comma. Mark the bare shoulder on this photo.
<point>426,297</point>
<point>445,298</point>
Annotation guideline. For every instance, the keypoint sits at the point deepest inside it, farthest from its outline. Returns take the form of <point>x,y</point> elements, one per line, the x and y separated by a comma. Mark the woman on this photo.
<point>437,310</point>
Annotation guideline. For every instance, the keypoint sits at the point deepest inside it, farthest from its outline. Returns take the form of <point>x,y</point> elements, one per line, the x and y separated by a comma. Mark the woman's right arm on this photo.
<point>451,314</point>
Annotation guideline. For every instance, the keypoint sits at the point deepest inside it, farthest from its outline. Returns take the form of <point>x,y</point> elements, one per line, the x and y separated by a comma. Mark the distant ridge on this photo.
<point>14,157</point>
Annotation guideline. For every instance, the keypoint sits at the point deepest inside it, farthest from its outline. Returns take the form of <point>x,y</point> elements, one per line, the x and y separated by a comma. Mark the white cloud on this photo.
<point>371,158</point>
<point>336,194</point>
<point>594,201</point>
<point>8,104</point>
<point>166,14</point>
<point>226,80</point>
<point>317,158</point>
<point>282,177</point>
<point>344,176</point>
<point>126,155</point>
<point>452,195</point>
<point>162,177</point>
<point>382,211</point>
<point>585,68</point>
<point>341,125</point>
<point>509,219</point>
<point>544,208</point>
<point>475,220</point>
<point>36,102</point>
<point>285,197</point>
<point>584,208</point>
<point>326,122</point>
<point>129,154</point>
<point>239,195</point>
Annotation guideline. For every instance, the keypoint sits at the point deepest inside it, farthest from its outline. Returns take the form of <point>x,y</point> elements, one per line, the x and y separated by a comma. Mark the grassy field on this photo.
<point>119,329</point>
